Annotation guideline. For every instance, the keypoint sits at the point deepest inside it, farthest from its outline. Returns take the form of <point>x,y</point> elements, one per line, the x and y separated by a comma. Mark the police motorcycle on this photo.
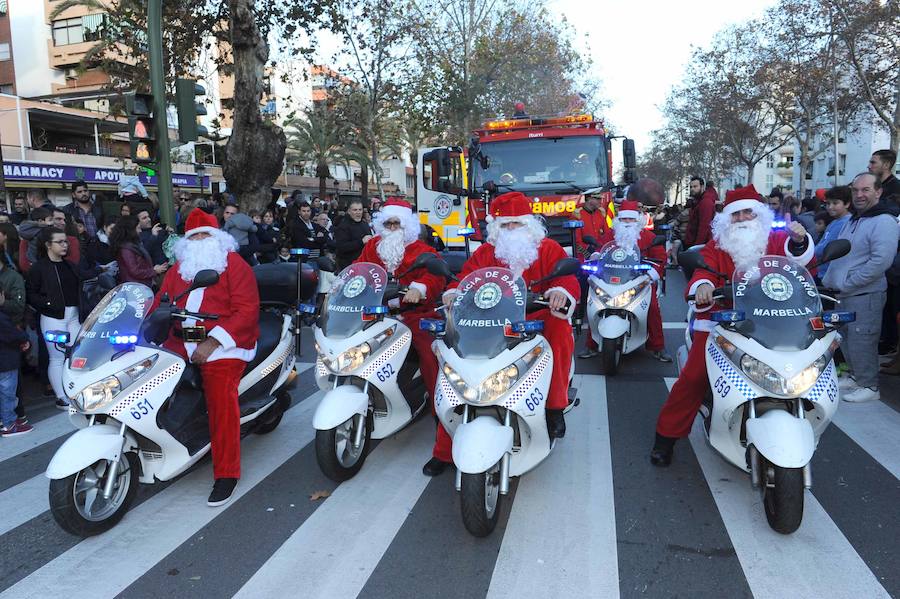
<point>620,287</point>
<point>140,408</point>
<point>365,363</point>
<point>772,377</point>
<point>493,380</point>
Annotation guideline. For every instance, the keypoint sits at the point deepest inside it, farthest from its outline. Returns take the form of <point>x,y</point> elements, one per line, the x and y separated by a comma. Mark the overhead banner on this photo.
<point>52,173</point>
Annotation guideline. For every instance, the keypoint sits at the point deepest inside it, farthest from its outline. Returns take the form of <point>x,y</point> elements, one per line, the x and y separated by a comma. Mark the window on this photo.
<point>92,26</point>
<point>4,52</point>
<point>770,161</point>
<point>770,182</point>
<point>6,89</point>
<point>789,160</point>
<point>67,31</point>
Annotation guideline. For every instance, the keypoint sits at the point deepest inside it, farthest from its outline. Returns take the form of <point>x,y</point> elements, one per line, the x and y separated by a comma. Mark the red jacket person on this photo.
<point>230,341</point>
<point>741,235</point>
<point>517,240</point>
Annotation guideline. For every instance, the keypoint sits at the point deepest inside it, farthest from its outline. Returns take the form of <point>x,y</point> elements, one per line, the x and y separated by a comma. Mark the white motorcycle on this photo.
<point>365,363</point>
<point>619,296</point>
<point>140,408</point>
<point>773,381</point>
<point>492,386</point>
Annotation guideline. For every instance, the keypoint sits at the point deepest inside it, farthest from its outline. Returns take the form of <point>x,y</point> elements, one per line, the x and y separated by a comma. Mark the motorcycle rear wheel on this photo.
<point>73,499</point>
<point>783,497</point>
<point>480,501</point>
<point>335,454</point>
<point>271,418</point>
<point>610,355</point>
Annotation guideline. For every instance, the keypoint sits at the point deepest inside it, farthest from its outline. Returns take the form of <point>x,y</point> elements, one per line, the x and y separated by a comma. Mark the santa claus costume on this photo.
<point>235,299</point>
<point>395,249</point>
<point>628,231</point>
<point>739,240</point>
<point>528,252</point>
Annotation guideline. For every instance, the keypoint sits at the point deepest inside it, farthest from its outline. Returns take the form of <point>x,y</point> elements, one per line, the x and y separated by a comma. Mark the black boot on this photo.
<point>663,448</point>
<point>434,467</point>
<point>556,424</point>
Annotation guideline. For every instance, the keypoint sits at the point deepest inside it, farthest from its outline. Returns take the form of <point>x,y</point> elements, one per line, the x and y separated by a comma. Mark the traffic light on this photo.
<point>186,90</point>
<point>141,127</point>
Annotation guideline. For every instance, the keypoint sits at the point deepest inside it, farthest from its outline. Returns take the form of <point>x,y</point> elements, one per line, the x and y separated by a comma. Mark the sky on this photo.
<point>640,49</point>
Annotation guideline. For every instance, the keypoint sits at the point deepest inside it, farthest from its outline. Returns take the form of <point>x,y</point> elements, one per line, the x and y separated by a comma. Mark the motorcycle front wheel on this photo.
<point>335,453</point>
<point>77,503</point>
<point>480,500</point>
<point>610,354</point>
<point>783,497</point>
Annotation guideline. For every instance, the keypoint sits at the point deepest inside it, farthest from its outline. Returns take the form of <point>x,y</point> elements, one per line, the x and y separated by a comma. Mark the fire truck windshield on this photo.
<point>545,164</point>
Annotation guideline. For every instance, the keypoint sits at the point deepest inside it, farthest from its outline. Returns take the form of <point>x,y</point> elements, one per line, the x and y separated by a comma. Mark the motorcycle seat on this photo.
<point>269,336</point>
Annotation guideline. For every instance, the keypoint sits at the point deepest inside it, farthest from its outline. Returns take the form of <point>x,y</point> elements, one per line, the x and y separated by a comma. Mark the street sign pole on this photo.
<point>158,88</point>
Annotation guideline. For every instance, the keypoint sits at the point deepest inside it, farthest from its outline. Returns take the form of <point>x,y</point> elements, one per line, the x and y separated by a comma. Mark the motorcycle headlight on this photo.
<point>497,384</point>
<point>349,360</point>
<point>774,383</point>
<point>100,395</point>
<point>626,297</point>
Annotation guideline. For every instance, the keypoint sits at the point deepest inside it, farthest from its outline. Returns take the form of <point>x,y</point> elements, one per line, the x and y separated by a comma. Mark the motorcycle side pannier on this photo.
<point>277,283</point>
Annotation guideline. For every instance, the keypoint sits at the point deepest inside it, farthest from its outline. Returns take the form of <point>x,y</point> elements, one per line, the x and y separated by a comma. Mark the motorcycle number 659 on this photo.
<point>140,409</point>
<point>534,400</point>
<point>722,387</point>
<point>385,372</point>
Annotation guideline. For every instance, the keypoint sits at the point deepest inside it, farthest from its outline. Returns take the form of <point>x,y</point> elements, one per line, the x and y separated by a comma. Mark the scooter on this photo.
<point>493,381</point>
<point>365,363</point>
<point>140,408</point>
<point>619,296</point>
<point>773,384</point>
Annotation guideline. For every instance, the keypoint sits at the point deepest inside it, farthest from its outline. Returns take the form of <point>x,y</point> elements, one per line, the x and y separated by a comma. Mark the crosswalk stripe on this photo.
<point>876,428</point>
<point>23,502</point>
<point>674,325</point>
<point>159,525</point>
<point>341,543</point>
<point>577,540</point>
<point>774,564</point>
<point>44,431</point>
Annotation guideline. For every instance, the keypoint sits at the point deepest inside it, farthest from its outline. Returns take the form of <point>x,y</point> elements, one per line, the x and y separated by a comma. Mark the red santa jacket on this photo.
<point>428,284</point>
<point>595,226</point>
<point>549,253</point>
<point>648,250</point>
<point>699,229</point>
<point>235,298</point>
<point>720,261</point>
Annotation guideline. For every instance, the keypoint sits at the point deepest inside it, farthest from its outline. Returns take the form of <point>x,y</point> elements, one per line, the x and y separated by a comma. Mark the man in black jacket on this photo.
<point>350,235</point>
<point>306,234</point>
<point>90,213</point>
<point>881,165</point>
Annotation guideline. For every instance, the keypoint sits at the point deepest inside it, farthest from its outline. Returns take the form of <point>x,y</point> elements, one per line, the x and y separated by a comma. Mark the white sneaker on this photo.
<point>847,383</point>
<point>861,394</point>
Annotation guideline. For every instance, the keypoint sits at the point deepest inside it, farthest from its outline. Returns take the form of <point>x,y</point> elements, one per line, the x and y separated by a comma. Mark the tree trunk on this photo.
<point>255,152</point>
<point>804,162</point>
<point>364,183</point>
<point>323,188</point>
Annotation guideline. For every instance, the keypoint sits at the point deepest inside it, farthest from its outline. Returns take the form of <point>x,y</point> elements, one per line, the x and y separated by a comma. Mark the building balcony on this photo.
<point>68,56</point>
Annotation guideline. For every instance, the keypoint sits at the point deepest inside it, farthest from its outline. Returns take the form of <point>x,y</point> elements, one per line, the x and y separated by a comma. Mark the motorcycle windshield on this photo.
<point>111,326</point>
<point>617,265</point>
<point>489,299</point>
<point>356,287</point>
<point>780,303</point>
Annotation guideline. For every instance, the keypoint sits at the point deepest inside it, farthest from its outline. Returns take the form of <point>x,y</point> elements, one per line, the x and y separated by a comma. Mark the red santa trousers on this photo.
<point>220,386</point>
<point>677,415</point>
<point>655,339</point>
<point>558,333</point>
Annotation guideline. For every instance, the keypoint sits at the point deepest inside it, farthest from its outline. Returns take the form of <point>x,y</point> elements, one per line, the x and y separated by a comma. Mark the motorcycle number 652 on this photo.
<point>140,409</point>
<point>534,400</point>
<point>385,372</point>
<point>722,387</point>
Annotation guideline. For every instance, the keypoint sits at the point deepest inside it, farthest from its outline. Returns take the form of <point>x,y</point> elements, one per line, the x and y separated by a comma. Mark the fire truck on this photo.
<point>555,160</point>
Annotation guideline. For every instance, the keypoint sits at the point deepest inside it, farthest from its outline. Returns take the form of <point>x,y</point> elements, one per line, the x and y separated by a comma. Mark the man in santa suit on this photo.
<point>395,247</point>
<point>628,231</point>
<point>230,341</point>
<point>741,234</point>
<point>517,240</point>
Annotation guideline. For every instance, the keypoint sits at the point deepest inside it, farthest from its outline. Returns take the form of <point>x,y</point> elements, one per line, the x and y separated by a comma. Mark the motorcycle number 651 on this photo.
<point>140,409</point>
<point>722,387</point>
<point>534,400</point>
<point>385,372</point>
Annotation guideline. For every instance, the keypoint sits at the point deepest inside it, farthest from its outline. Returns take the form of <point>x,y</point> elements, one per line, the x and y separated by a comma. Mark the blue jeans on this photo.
<point>8,382</point>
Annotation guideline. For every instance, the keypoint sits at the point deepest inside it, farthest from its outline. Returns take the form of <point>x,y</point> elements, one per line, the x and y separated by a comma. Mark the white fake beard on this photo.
<point>517,248</point>
<point>627,234</point>
<point>194,255</point>
<point>391,248</point>
<point>745,242</point>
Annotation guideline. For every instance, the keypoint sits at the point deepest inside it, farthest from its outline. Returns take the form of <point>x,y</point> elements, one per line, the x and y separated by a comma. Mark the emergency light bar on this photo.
<point>56,336</point>
<point>299,251</point>
<point>573,224</point>
<point>123,339</point>
<point>466,232</point>
<point>432,325</point>
<point>549,121</point>
<point>306,308</point>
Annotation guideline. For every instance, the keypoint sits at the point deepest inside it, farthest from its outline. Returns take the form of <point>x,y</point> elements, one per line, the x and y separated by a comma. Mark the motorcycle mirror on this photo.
<point>834,250</point>
<point>590,240</point>
<point>441,269</point>
<point>326,263</point>
<point>658,240</point>
<point>204,278</point>
<point>563,268</point>
<point>421,261</point>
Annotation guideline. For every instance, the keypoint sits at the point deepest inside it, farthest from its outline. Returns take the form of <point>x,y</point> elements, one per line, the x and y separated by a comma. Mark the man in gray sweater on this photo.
<point>859,280</point>
<point>240,226</point>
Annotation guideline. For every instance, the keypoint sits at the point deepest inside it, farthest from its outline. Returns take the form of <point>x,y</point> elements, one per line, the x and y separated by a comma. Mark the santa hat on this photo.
<point>510,206</point>
<point>395,207</point>
<point>199,221</point>
<point>742,198</point>
<point>629,209</point>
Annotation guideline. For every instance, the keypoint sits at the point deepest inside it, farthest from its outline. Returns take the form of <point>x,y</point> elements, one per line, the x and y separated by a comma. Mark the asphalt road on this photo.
<point>594,520</point>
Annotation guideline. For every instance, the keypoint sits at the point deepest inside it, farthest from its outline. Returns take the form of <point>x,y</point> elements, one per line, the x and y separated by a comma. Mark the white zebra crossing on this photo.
<point>44,431</point>
<point>874,427</point>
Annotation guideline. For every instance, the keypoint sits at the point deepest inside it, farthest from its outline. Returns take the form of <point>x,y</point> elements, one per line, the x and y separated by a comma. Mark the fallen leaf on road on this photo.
<point>319,495</point>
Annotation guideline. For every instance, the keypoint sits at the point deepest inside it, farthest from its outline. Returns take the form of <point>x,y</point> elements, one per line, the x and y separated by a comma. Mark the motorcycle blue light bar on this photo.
<point>299,251</point>
<point>573,224</point>
<point>375,310</point>
<point>590,267</point>
<point>838,316</point>
<point>527,326</point>
<point>779,224</point>
<point>643,267</point>
<point>56,336</point>
<point>466,232</point>
<point>123,339</point>
<point>432,325</point>
<point>727,316</point>
<point>306,308</point>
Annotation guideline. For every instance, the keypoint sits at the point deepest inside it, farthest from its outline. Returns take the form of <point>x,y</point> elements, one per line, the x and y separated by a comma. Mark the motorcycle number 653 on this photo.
<point>534,400</point>
<point>385,372</point>
<point>140,409</point>
<point>722,387</point>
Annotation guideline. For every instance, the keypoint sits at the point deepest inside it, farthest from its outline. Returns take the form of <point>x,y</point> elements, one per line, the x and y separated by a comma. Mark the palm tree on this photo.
<point>320,139</point>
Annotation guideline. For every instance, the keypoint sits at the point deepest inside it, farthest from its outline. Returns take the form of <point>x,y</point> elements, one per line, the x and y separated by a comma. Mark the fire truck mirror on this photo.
<point>628,154</point>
